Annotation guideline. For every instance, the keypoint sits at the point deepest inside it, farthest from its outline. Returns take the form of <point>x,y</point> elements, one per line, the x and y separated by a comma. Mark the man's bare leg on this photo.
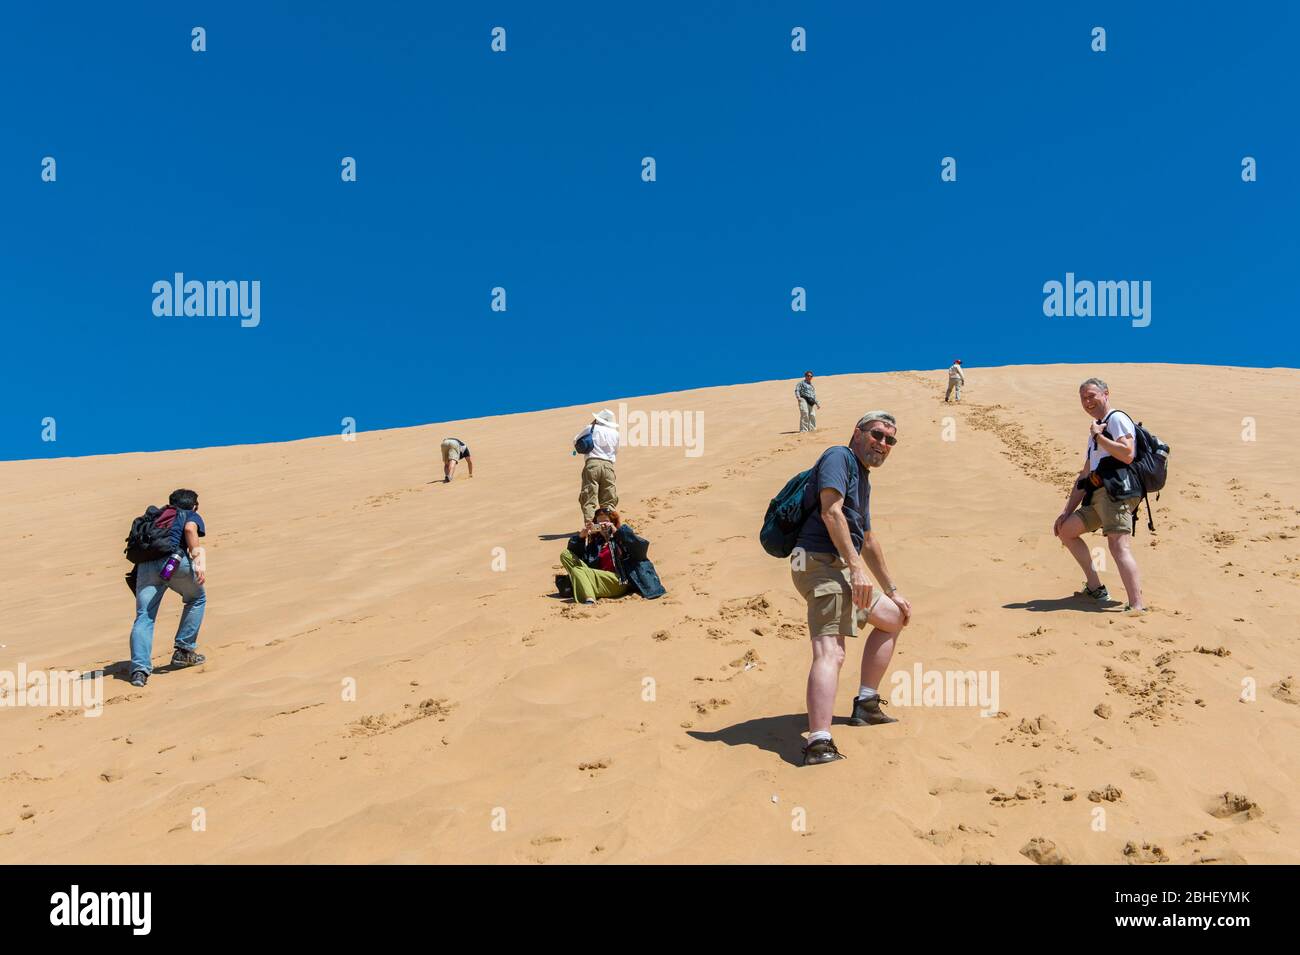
<point>1070,534</point>
<point>1128,568</point>
<point>886,622</point>
<point>823,680</point>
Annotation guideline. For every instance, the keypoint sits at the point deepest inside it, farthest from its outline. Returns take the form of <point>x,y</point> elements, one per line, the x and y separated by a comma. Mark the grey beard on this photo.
<point>874,459</point>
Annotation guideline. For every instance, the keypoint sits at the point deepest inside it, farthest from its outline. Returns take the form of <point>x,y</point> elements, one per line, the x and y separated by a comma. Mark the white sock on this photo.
<point>866,693</point>
<point>818,734</point>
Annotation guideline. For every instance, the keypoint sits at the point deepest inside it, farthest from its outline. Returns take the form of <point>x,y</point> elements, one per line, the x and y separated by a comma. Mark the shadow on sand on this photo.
<point>782,735</point>
<point>1045,604</point>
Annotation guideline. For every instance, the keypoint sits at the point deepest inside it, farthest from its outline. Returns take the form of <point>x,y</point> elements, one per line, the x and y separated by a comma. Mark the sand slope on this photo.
<point>479,697</point>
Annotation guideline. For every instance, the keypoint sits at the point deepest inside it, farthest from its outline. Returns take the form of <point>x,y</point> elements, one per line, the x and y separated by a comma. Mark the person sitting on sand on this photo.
<point>187,579</point>
<point>606,559</point>
<point>806,395</point>
<point>453,449</point>
<point>837,548</point>
<point>955,380</point>
<point>1111,434</point>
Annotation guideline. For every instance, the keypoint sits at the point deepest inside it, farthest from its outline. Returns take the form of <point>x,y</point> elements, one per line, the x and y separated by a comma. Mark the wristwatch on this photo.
<point>891,590</point>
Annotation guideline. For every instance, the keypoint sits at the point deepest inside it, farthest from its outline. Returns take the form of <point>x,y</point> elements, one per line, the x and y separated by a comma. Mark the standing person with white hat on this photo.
<point>599,443</point>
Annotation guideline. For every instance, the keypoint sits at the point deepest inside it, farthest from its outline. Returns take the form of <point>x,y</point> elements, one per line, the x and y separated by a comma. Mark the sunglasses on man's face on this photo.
<point>879,435</point>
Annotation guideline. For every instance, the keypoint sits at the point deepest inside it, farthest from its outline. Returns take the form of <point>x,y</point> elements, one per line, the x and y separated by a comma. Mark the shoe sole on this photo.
<point>822,760</point>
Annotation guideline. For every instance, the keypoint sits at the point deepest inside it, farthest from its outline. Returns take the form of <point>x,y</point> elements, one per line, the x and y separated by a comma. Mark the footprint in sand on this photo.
<point>377,724</point>
<point>758,605</point>
<point>705,707</point>
<point>1235,806</point>
<point>1144,854</point>
<point>1109,794</point>
<point>1285,690</point>
<point>1044,852</point>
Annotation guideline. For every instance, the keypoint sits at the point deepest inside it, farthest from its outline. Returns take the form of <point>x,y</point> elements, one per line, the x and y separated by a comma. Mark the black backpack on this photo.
<point>1150,467</point>
<point>786,514</point>
<point>585,443</point>
<point>146,540</point>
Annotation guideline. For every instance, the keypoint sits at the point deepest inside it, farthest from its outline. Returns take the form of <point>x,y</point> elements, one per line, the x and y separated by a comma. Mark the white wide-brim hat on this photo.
<point>606,417</point>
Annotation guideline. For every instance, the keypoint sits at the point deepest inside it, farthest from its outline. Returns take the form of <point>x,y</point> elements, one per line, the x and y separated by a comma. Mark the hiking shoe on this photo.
<point>1101,593</point>
<point>822,751</point>
<point>869,713</point>
<point>187,658</point>
<point>139,678</point>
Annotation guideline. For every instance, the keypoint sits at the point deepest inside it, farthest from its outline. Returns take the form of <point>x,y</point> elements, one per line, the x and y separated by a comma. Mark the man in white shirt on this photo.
<point>1111,435</point>
<point>598,483</point>
<point>955,380</point>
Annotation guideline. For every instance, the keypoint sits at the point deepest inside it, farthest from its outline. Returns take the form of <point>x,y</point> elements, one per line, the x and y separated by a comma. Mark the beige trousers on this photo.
<point>598,487</point>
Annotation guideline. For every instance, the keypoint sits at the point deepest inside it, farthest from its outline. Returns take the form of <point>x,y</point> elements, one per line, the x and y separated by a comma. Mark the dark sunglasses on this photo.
<point>879,435</point>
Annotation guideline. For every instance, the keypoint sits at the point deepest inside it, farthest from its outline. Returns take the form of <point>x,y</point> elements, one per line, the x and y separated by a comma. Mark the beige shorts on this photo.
<point>450,451</point>
<point>1110,517</point>
<point>825,584</point>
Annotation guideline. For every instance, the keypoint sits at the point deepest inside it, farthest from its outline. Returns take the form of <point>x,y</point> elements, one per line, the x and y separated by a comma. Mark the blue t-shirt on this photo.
<point>839,468</point>
<point>178,530</point>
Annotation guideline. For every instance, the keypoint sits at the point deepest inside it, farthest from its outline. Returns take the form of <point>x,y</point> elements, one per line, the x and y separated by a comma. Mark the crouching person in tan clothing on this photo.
<point>454,450</point>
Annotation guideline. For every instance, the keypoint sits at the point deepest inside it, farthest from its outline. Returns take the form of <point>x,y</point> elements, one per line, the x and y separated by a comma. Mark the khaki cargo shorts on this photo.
<point>450,451</point>
<point>825,584</point>
<point>1110,517</point>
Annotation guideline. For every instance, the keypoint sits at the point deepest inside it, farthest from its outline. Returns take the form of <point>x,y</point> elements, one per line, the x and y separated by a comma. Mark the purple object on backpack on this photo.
<point>169,568</point>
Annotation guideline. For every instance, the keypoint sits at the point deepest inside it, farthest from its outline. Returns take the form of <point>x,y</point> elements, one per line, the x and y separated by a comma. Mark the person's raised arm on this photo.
<point>1123,450</point>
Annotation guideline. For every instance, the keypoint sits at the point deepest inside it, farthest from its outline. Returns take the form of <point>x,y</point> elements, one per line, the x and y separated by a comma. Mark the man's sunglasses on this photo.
<point>879,435</point>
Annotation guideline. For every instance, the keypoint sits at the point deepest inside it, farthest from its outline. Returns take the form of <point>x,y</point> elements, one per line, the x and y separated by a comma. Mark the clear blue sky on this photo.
<point>522,170</point>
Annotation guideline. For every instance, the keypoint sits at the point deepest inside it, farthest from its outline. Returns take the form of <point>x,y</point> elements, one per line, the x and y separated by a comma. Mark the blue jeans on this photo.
<point>149,590</point>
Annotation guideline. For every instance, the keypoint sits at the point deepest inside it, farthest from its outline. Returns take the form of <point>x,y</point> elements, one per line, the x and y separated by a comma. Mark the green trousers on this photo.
<point>589,582</point>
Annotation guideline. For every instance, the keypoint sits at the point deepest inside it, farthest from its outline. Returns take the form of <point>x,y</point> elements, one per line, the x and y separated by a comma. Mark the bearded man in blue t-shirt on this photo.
<point>832,555</point>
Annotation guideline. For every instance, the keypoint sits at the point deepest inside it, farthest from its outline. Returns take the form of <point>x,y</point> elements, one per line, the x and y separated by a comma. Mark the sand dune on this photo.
<point>482,700</point>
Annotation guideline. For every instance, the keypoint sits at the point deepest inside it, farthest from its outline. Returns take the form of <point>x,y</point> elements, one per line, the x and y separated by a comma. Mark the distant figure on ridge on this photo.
<point>453,449</point>
<point>598,443</point>
<point>955,380</point>
<point>164,546</point>
<point>806,395</point>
